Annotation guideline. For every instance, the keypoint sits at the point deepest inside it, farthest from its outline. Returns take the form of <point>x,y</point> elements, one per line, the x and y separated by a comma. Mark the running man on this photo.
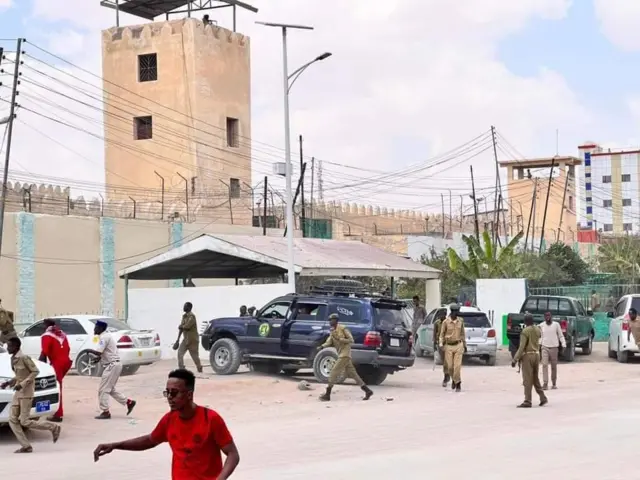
<point>55,348</point>
<point>197,435</point>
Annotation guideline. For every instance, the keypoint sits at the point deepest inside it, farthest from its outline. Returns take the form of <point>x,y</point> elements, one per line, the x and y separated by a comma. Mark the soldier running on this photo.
<point>437,325</point>
<point>528,355</point>
<point>452,339</point>
<point>189,331</point>
<point>341,339</point>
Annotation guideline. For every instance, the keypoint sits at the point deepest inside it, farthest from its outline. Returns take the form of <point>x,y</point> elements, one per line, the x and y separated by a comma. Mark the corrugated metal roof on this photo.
<point>229,256</point>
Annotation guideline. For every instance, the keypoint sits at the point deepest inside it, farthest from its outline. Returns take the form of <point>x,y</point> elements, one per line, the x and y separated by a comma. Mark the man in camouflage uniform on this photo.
<point>437,325</point>
<point>528,355</point>
<point>189,331</point>
<point>7,330</point>
<point>452,339</point>
<point>341,339</point>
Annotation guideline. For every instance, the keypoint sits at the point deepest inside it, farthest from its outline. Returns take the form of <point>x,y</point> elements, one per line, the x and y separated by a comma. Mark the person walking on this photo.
<point>529,359</point>
<point>437,325</point>
<point>595,301</point>
<point>188,329</point>
<point>453,340</point>
<point>341,339</point>
<point>7,330</point>
<point>25,373</point>
<point>552,340</point>
<point>419,314</point>
<point>55,349</point>
<point>197,436</point>
<point>107,352</point>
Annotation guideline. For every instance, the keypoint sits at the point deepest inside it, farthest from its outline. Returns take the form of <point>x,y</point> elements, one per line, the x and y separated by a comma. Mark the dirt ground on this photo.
<point>412,428</point>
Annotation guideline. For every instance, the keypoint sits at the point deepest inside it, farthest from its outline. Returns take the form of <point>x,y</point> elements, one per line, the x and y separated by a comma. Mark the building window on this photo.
<point>606,179</point>
<point>627,227</point>
<point>626,177</point>
<point>148,67</point>
<point>143,128</point>
<point>234,188</point>
<point>587,175</point>
<point>607,203</point>
<point>587,186</point>
<point>589,199</point>
<point>233,134</point>
<point>626,202</point>
<point>608,227</point>
<point>571,203</point>
<point>589,209</point>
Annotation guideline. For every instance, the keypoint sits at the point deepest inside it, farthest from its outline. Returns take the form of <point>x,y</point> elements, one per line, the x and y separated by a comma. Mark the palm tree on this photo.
<point>486,260</point>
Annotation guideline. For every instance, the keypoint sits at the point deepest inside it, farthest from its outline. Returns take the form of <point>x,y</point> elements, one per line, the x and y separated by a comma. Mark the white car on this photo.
<point>135,347</point>
<point>47,396</point>
<point>622,345</point>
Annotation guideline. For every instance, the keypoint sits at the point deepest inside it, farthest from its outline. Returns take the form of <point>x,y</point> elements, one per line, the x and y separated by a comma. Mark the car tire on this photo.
<point>588,347</point>
<point>371,375</point>
<point>491,361</point>
<point>569,353</point>
<point>323,363</point>
<point>225,356</point>
<point>290,372</point>
<point>130,369</point>
<point>269,368</point>
<point>84,368</point>
<point>621,355</point>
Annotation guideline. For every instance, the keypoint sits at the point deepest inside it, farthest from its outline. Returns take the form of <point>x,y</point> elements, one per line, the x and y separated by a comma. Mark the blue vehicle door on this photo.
<point>265,330</point>
<point>306,327</point>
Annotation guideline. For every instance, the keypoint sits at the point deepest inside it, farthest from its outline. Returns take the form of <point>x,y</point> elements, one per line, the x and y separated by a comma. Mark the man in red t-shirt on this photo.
<point>196,435</point>
<point>55,348</point>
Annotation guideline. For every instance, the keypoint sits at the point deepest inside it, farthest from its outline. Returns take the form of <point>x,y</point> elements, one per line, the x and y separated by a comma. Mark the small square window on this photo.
<point>233,133</point>
<point>608,227</point>
<point>148,67</point>
<point>607,203</point>
<point>234,188</point>
<point>626,177</point>
<point>606,179</point>
<point>626,202</point>
<point>143,128</point>
<point>587,175</point>
<point>627,227</point>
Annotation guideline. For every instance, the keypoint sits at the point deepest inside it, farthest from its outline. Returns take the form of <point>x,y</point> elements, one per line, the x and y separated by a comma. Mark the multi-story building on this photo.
<point>609,189</point>
<point>177,112</point>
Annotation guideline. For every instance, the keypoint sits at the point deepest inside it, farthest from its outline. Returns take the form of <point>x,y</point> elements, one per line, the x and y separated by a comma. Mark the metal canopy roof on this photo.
<point>151,9</point>
<point>235,256</point>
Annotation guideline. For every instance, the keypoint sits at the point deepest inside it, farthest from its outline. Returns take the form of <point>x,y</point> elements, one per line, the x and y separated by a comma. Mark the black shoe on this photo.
<point>453,385</point>
<point>445,381</point>
<point>367,392</point>
<point>56,419</point>
<point>544,401</point>
<point>131,404</point>
<point>524,405</point>
<point>459,387</point>
<point>326,396</point>
<point>103,416</point>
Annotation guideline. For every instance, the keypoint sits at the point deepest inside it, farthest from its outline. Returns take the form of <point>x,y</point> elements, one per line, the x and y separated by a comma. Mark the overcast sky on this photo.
<point>408,80</point>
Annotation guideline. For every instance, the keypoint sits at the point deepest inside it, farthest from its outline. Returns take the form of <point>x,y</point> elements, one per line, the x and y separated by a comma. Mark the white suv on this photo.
<point>47,396</point>
<point>622,345</point>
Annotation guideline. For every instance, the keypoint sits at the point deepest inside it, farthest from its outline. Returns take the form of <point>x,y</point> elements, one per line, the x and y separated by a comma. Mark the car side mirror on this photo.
<point>589,312</point>
<point>611,315</point>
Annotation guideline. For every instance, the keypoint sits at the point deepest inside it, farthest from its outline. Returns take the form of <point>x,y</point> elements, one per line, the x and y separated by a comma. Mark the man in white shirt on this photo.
<point>552,338</point>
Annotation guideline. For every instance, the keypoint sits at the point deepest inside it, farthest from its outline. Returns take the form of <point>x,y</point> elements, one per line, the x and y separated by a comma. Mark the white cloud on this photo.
<point>423,70</point>
<point>6,3</point>
<point>619,21</point>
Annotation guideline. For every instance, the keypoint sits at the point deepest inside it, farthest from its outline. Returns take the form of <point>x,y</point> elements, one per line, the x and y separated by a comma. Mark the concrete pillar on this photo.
<point>432,294</point>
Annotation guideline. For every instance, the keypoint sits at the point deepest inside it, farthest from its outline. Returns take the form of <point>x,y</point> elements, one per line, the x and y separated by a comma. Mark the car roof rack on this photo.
<point>340,287</point>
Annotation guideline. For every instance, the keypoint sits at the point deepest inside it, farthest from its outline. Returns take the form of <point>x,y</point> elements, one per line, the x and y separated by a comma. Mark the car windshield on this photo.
<point>475,320</point>
<point>389,316</point>
<point>112,323</point>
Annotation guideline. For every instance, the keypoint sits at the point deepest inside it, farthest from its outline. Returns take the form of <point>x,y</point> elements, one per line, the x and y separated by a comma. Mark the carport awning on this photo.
<point>235,256</point>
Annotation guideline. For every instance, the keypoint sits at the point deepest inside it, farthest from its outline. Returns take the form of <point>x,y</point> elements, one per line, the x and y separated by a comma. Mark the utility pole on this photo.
<point>461,206</point>
<point>564,196</point>
<point>264,220</point>
<point>313,161</point>
<point>475,204</point>
<point>496,218</point>
<point>504,220</point>
<point>320,182</point>
<point>303,215</point>
<point>295,197</point>
<point>531,210</point>
<point>443,227</point>
<point>186,192</point>
<point>546,205</point>
<point>162,195</point>
<point>12,115</point>
<point>450,214</point>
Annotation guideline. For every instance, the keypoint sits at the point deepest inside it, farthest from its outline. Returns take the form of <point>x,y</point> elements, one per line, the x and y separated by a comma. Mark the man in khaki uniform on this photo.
<point>452,339</point>
<point>341,339</point>
<point>7,330</point>
<point>25,372</point>
<point>436,339</point>
<point>189,331</point>
<point>529,357</point>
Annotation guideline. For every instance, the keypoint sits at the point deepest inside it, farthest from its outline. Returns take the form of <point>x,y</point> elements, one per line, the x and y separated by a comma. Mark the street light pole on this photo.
<point>291,272</point>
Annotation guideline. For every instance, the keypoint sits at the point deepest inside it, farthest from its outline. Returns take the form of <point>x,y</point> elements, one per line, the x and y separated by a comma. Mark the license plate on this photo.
<point>394,342</point>
<point>471,348</point>
<point>145,342</point>
<point>44,406</point>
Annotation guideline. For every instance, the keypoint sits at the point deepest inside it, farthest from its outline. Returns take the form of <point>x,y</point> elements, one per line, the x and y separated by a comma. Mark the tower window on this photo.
<point>233,134</point>
<point>143,128</point>
<point>148,67</point>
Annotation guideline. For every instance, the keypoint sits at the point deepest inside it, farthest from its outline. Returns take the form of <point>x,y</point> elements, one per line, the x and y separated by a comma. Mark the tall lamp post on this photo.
<point>288,81</point>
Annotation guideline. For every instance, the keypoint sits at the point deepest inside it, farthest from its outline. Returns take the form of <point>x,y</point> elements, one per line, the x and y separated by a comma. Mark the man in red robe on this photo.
<point>55,348</point>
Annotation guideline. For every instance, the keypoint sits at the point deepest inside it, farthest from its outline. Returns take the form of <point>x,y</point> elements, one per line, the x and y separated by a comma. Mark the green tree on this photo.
<point>563,256</point>
<point>621,257</point>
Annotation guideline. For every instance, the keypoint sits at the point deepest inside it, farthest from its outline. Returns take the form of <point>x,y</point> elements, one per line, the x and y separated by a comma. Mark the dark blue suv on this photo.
<point>284,336</point>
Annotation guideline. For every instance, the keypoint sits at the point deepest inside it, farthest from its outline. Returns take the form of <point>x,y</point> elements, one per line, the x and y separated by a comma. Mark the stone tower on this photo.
<point>177,107</point>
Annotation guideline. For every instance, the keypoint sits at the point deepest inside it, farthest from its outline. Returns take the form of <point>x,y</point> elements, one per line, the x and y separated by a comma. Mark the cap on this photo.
<point>101,324</point>
<point>334,316</point>
<point>454,307</point>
